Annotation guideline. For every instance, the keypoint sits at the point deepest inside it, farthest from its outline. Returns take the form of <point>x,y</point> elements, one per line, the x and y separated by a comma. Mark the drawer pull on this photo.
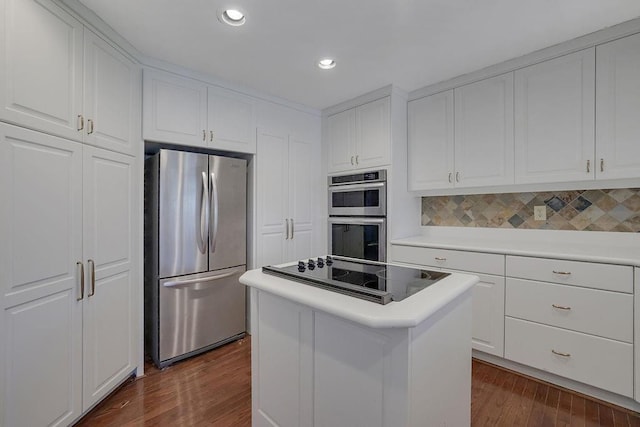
<point>560,307</point>
<point>560,354</point>
<point>440,258</point>
<point>562,273</point>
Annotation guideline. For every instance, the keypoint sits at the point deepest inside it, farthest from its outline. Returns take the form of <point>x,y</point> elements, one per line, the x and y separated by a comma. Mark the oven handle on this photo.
<point>348,220</point>
<point>356,187</point>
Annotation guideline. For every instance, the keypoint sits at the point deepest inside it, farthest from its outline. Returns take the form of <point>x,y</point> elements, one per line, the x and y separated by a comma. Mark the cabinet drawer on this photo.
<point>599,362</point>
<point>476,262</point>
<point>588,274</point>
<point>603,313</point>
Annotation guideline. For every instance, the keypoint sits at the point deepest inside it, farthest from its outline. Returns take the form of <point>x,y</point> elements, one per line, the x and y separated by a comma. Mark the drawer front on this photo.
<point>588,274</point>
<point>603,313</point>
<point>476,262</point>
<point>599,362</point>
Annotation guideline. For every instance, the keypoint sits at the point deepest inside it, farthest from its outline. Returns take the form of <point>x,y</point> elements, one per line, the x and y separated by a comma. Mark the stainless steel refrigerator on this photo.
<point>195,251</point>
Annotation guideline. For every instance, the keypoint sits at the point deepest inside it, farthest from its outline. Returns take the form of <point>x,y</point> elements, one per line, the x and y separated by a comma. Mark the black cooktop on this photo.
<point>372,281</point>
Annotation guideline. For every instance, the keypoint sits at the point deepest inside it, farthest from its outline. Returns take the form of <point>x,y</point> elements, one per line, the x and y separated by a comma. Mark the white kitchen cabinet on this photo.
<point>554,120</point>
<point>285,198</point>
<point>112,97</point>
<point>484,132</point>
<point>488,294</point>
<point>618,109</point>
<point>469,145</point>
<point>69,209</point>
<point>185,111</point>
<point>430,138</point>
<point>62,79</point>
<point>360,137</point>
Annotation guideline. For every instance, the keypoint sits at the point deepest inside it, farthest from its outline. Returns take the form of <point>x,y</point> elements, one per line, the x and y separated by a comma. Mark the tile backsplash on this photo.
<point>585,210</point>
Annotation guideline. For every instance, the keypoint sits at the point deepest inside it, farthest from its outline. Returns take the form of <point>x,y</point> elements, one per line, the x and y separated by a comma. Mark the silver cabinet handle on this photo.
<point>213,226</point>
<point>175,283</point>
<point>204,135</point>
<point>357,159</point>
<point>351,160</point>
<point>90,124</point>
<point>204,214</point>
<point>560,354</point>
<point>80,122</point>
<point>81,280</point>
<point>211,135</point>
<point>286,231</point>
<point>93,278</point>
<point>440,258</point>
<point>457,176</point>
<point>588,166</point>
<point>561,307</point>
<point>601,165</point>
<point>292,229</point>
<point>562,273</point>
<point>449,177</point>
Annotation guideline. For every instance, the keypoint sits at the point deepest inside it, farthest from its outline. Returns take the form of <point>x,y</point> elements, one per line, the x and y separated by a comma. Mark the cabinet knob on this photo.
<point>449,177</point>
<point>80,122</point>
<point>588,166</point>
<point>601,165</point>
<point>440,258</point>
<point>560,354</point>
<point>90,129</point>
<point>211,135</point>
<point>204,135</point>
<point>457,176</point>
<point>351,160</point>
<point>561,307</point>
<point>357,159</point>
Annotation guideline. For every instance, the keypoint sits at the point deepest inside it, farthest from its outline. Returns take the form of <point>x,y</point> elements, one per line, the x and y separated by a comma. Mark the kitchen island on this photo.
<point>321,358</point>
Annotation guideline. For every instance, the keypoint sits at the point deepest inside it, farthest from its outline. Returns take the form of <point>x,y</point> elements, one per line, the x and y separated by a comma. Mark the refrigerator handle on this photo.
<point>204,214</point>
<point>175,283</point>
<point>213,226</point>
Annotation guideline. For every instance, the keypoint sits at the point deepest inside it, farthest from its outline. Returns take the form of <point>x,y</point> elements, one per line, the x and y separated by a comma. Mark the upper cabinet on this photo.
<point>185,111</point>
<point>462,137</point>
<point>554,119</point>
<point>618,109</point>
<point>360,137</point>
<point>60,78</point>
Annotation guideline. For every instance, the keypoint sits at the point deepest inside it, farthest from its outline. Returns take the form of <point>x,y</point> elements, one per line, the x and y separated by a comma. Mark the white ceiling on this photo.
<point>409,43</point>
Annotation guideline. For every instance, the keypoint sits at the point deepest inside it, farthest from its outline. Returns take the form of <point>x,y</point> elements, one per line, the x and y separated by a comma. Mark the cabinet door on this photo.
<point>341,131</point>
<point>41,71</point>
<point>373,134</point>
<point>41,325</point>
<point>301,197</point>
<point>484,132</point>
<point>231,121</point>
<point>109,254</point>
<point>112,97</point>
<point>174,109</point>
<point>487,331</point>
<point>554,119</point>
<point>430,135</point>
<point>618,109</point>
<point>272,189</point>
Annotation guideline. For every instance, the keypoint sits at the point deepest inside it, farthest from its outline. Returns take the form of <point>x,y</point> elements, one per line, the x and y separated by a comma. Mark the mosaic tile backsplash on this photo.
<point>587,210</point>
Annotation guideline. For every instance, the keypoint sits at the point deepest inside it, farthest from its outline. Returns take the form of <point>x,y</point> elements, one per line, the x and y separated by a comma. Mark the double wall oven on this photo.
<point>357,215</point>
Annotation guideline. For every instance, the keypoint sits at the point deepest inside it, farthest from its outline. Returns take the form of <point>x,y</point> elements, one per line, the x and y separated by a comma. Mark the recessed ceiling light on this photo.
<point>327,63</point>
<point>232,17</point>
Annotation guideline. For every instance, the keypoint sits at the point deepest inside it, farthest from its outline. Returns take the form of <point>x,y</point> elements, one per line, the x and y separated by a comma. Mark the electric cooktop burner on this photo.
<point>368,280</point>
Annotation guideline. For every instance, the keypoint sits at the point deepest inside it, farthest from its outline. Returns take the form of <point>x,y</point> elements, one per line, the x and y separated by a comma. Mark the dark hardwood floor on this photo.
<point>214,389</point>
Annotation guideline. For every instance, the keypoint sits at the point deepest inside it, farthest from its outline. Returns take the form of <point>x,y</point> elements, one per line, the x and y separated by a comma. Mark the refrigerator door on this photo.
<point>183,213</point>
<point>228,212</point>
<point>200,311</point>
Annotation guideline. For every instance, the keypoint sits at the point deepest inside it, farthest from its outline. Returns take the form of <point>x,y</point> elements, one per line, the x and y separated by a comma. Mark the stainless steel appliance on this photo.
<point>357,215</point>
<point>371,281</point>
<point>195,251</point>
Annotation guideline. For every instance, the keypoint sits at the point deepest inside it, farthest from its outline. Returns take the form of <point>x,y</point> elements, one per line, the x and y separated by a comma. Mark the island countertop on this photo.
<point>407,313</point>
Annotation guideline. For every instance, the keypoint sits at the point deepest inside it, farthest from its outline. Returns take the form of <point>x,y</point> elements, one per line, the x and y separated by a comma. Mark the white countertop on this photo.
<point>605,247</point>
<point>407,313</point>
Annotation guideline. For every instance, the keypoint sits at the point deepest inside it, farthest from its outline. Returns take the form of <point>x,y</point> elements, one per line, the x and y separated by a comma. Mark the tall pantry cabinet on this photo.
<point>70,175</point>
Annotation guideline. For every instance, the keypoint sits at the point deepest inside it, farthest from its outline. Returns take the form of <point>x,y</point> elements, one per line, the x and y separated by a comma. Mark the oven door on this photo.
<point>369,199</point>
<point>362,238</point>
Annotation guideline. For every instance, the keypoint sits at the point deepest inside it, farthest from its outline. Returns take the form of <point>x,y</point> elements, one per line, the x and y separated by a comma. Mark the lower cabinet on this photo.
<point>68,269</point>
<point>488,294</point>
<point>310,368</point>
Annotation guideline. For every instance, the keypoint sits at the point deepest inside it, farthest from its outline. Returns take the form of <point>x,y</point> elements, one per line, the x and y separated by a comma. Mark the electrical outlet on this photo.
<point>540,213</point>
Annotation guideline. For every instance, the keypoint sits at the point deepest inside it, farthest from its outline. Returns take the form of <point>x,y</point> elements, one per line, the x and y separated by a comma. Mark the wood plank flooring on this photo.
<point>214,389</point>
